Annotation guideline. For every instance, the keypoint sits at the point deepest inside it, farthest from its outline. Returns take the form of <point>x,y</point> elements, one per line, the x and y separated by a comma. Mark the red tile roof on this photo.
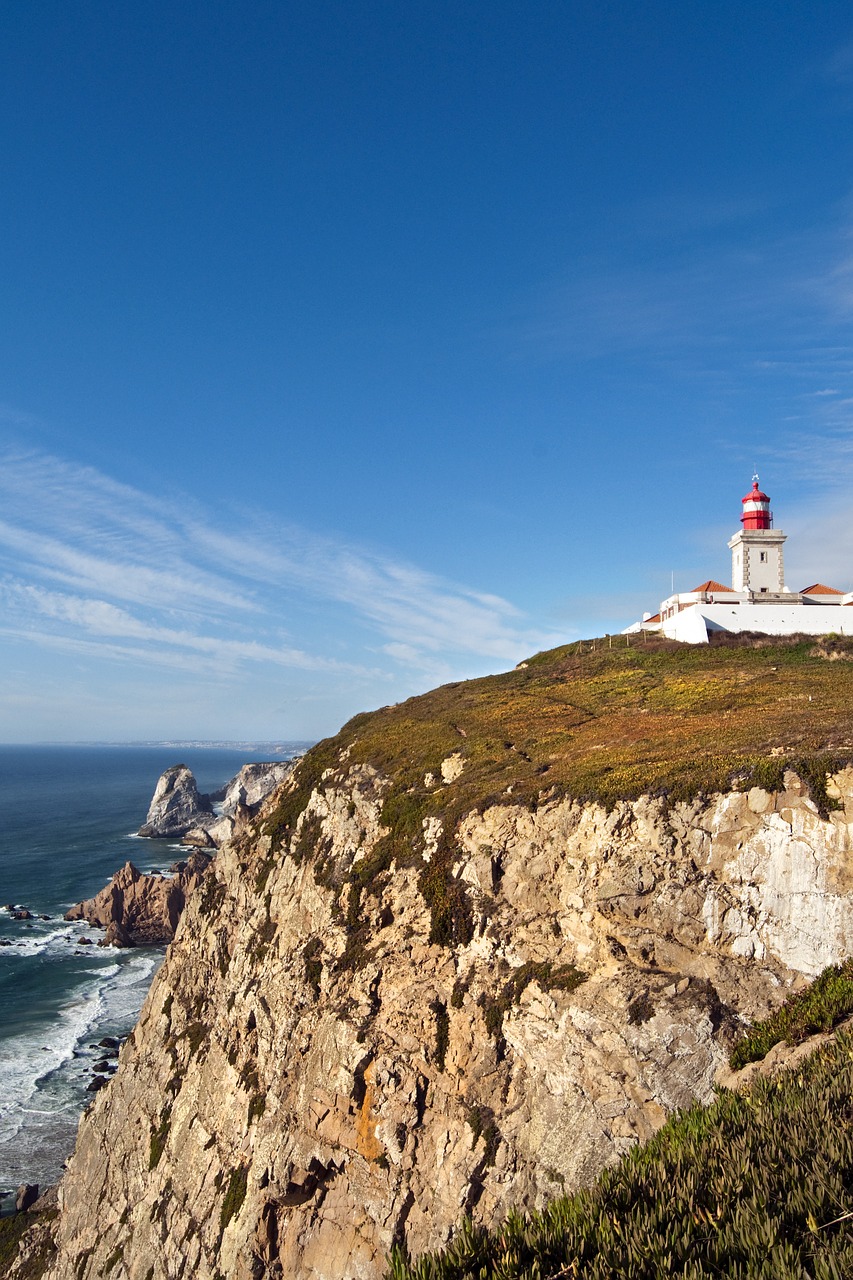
<point>820,589</point>
<point>711,586</point>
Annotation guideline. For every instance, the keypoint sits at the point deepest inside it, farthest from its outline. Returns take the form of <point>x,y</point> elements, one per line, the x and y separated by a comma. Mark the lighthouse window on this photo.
<point>763,557</point>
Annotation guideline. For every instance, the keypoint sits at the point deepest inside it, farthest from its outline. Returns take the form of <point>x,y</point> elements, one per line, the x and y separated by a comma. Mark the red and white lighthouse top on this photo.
<point>756,508</point>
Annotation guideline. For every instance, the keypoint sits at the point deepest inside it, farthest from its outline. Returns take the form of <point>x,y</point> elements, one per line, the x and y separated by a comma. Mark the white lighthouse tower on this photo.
<point>758,566</point>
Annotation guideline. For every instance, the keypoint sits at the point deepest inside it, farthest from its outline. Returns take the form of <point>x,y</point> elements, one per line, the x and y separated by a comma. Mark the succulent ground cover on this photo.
<point>818,1008</point>
<point>759,1185</point>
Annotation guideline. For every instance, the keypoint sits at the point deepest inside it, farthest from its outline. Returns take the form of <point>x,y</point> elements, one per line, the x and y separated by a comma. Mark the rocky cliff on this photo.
<point>430,979</point>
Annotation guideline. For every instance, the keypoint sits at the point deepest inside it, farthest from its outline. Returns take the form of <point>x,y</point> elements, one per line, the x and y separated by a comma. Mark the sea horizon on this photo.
<point>277,745</point>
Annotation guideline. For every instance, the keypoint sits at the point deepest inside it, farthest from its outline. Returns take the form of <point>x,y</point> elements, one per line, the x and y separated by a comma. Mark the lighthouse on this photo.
<point>758,599</point>
<point>758,566</point>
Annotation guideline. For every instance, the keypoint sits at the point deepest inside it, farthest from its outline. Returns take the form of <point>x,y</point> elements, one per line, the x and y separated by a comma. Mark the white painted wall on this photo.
<point>692,625</point>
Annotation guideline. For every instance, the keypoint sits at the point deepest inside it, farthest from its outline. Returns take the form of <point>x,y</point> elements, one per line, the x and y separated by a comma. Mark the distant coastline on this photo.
<point>255,746</point>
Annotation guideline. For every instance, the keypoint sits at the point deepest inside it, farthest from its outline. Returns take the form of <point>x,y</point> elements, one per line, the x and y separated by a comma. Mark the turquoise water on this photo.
<point>67,821</point>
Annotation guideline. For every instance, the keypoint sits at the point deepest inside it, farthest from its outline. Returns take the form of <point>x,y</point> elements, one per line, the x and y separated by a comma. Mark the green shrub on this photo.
<point>442,1032</point>
<point>235,1194</point>
<point>823,1003</point>
<point>481,1122</point>
<point>159,1137</point>
<point>457,995</point>
<point>641,1009</point>
<point>313,964</point>
<point>563,977</point>
<point>211,895</point>
<point>113,1260</point>
<point>196,1035</point>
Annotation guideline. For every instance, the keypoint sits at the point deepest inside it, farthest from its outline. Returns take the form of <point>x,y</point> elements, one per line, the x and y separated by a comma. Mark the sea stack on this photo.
<point>177,805</point>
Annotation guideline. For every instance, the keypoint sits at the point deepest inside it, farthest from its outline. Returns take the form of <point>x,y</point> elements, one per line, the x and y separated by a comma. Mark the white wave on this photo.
<point>27,1059</point>
<point>45,937</point>
<point>45,1070</point>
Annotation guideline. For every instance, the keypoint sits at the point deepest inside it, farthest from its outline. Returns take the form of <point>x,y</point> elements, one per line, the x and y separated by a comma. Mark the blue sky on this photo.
<point>349,348</point>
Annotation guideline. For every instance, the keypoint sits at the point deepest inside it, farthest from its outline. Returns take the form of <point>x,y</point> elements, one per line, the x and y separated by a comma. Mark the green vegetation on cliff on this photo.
<point>823,1004</point>
<point>613,723</point>
<point>596,720</point>
<point>757,1185</point>
<point>41,1248</point>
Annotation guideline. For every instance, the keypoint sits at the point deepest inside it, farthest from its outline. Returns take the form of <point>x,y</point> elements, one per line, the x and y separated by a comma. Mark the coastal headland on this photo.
<point>470,952</point>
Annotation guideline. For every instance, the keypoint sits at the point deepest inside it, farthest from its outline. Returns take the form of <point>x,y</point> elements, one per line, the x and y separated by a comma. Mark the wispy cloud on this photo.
<point>92,565</point>
<point>690,279</point>
<point>838,68</point>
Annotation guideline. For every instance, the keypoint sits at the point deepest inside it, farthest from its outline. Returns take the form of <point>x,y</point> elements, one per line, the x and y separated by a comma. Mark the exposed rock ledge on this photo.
<point>137,909</point>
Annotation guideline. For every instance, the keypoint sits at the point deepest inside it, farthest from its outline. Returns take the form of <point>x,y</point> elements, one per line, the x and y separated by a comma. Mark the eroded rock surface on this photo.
<point>177,805</point>
<point>138,909</point>
<point>298,1096</point>
<point>253,784</point>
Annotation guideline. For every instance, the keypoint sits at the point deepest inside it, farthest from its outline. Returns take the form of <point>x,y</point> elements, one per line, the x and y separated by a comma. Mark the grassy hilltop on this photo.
<point>609,723</point>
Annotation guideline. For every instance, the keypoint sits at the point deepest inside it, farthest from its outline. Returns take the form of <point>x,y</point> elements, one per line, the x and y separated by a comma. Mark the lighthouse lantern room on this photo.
<point>757,558</point>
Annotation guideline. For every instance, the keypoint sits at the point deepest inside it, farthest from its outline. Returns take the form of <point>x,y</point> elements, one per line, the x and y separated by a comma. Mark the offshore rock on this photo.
<point>297,1096</point>
<point>137,909</point>
<point>253,784</point>
<point>26,1196</point>
<point>239,798</point>
<point>176,805</point>
<point>199,838</point>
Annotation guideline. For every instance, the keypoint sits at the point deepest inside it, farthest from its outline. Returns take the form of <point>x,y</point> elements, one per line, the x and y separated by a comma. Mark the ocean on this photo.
<point>68,817</point>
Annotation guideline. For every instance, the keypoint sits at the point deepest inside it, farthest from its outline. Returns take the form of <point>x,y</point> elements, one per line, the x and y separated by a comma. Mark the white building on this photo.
<point>758,599</point>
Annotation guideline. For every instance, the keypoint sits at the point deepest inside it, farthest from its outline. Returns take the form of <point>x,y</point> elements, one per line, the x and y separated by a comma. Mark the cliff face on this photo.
<point>313,1079</point>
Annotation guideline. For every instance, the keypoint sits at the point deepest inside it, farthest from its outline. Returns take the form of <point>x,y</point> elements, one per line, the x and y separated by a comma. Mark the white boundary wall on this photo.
<point>693,624</point>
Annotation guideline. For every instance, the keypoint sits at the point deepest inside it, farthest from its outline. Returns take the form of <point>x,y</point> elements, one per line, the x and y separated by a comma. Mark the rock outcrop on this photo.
<point>240,797</point>
<point>319,1072</point>
<point>137,909</point>
<point>178,808</point>
<point>176,805</point>
<point>253,784</point>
